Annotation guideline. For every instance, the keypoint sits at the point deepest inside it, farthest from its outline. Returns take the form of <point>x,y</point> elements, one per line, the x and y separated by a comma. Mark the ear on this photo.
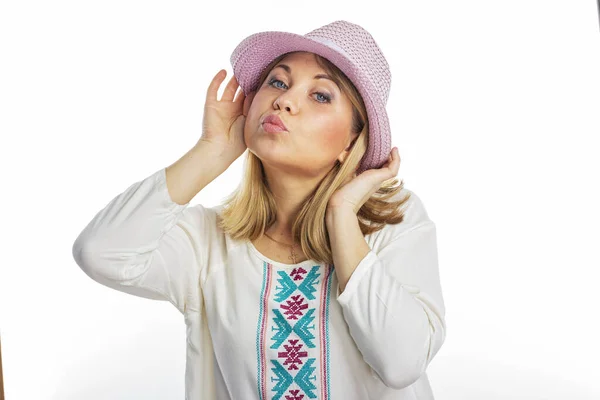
<point>346,151</point>
<point>248,102</point>
<point>343,155</point>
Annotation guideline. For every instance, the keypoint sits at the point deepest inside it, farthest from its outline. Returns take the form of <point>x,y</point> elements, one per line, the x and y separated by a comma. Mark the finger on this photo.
<point>239,98</point>
<point>391,162</point>
<point>390,159</point>
<point>230,89</point>
<point>396,162</point>
<point>391,156</point>
<point>248,102</point>
<point>213,87</point>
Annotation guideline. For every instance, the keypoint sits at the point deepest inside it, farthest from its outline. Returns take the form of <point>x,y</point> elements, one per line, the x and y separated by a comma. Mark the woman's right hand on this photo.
<point>223,121</point>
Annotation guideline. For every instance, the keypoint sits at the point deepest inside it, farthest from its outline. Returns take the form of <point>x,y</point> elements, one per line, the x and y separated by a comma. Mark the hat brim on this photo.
<point>253,54</point>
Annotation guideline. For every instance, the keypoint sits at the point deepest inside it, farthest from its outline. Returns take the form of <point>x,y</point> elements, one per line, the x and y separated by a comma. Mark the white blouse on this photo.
<point>262,329</point>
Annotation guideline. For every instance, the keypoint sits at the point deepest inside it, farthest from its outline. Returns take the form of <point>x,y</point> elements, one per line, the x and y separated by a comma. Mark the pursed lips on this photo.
<point>274,120</point>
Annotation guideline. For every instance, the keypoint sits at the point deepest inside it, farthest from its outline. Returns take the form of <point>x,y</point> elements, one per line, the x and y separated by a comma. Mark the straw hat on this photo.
<point>348,46</point>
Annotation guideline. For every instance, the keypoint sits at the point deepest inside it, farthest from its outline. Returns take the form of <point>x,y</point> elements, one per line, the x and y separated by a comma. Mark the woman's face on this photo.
<point>317,115</point>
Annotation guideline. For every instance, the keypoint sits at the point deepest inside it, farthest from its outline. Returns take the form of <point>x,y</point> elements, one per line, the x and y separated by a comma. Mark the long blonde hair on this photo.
<point>251,209</point>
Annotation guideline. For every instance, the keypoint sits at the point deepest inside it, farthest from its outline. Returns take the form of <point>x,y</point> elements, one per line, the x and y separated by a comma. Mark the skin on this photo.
<point>318,133</point>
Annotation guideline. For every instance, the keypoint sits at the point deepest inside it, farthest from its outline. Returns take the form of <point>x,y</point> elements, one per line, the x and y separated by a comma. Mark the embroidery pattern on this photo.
<point>292,340</point>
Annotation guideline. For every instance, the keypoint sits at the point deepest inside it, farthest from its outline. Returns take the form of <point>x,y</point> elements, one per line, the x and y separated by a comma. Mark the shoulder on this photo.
<point>200,224</point>
<point>200,221</point>
<point>199,214</point>
<point>415,212</point>
<point>415,217</point>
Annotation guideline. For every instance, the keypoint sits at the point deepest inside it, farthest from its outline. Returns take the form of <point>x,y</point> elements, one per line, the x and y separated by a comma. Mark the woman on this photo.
<point>317,278</point>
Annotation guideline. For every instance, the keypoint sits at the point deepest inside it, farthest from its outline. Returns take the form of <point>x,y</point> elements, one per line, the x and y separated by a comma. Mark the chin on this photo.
<point>268,154</point>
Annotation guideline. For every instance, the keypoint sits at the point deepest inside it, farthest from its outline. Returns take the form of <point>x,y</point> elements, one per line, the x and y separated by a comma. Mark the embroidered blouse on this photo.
<point>261,329</point>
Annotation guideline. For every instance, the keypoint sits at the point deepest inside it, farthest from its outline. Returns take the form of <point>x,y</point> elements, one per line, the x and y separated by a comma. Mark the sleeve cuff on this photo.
<point>361,270</point>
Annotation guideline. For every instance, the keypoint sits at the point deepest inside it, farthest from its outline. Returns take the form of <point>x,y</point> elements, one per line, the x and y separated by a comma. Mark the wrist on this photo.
<point>334,214</point>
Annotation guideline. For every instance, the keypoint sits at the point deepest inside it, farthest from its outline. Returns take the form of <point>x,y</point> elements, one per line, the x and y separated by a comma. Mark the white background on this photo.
<point>494,106</point>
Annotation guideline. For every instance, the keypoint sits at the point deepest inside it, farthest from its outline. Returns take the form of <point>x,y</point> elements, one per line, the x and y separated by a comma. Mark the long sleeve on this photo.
<point>140,243</point>
<point>394,308</point>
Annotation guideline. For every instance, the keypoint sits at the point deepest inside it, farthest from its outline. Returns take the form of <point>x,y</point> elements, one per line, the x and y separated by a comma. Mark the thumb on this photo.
<point>239,122</point>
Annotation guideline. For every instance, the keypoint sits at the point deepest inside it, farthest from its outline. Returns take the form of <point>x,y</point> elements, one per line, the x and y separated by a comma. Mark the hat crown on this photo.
<point>359,46</point>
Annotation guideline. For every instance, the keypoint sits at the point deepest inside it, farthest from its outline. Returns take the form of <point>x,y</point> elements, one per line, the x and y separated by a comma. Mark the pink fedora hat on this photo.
<point>352,49</point>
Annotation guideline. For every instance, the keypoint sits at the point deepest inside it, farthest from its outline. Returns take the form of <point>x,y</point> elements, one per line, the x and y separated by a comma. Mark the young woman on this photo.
<point>317,278</point>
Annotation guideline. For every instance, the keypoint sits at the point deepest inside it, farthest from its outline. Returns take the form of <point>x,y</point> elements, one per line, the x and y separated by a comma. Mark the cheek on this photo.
<point>253,117</point>
<point>259,101</point>
<point>332,134</point>
<point>252,111</point>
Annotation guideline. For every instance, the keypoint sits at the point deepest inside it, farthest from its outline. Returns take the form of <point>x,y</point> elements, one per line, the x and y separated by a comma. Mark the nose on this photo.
<point>287,100</point>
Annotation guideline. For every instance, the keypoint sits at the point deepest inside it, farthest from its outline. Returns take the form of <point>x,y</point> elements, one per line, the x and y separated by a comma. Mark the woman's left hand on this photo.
<point>358,189</point>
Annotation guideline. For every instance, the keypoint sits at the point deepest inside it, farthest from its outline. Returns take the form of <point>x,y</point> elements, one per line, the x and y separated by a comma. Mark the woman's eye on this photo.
<point>273,80</point>
<point>326,98</point>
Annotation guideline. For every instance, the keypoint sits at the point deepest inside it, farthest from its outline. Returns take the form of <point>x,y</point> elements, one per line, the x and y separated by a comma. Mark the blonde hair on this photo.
<point>251,209</point>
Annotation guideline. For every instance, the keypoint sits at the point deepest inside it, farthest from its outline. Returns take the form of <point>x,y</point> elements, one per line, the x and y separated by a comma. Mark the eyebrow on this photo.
<point>318,76</point>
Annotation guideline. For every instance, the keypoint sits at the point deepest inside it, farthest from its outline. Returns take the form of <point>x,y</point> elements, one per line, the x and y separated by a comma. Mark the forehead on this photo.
<point>303,59</point>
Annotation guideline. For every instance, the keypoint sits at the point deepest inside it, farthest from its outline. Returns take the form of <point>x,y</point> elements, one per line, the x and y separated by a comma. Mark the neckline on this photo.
<point>261,256</point>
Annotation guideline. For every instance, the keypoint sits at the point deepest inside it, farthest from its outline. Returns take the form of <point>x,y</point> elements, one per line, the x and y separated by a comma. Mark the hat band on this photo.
<point>331,44</point>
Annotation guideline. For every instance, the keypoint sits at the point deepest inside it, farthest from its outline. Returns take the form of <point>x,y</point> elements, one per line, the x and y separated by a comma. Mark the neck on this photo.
<point>290,190</point>
<point>281,238</point>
